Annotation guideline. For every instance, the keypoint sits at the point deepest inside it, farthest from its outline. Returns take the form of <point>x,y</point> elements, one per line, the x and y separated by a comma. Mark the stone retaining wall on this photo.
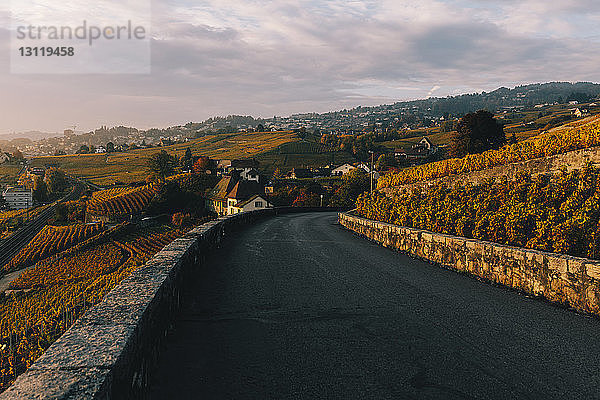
<point>562,279</point>
<point>571,160</point>
<point>108,353</point>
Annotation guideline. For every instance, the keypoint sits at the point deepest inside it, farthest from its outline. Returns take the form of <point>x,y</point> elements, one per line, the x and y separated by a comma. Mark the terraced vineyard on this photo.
<point>559,214</point>
<point>121,201</point>
<point>49,297</point>
<point>49,241</point>
<point>581,135</point>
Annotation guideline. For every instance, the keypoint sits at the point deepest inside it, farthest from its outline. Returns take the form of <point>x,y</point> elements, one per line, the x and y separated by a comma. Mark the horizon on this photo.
<point>60,134</point>
<point>284,58</point>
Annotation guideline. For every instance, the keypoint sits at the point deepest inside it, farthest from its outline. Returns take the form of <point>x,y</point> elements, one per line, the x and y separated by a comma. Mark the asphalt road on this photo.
<point>296,307</point>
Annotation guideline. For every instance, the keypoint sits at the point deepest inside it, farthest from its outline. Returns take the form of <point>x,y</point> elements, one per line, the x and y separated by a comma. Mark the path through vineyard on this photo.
<point>296,307</point>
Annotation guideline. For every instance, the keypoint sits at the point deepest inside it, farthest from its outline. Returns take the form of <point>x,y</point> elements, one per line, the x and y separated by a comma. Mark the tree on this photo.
<point>56,180</point>
<point>354,183</point>
<point>187,160</point>
<point>202,165</point>
<point>110,147</point>
<point>162,164</point>
<point>40,189</point>
<point>476,133</point>
<point>260,128</point>
<point>17,155</point>
<point>181,220</point>
<point>84,149</point>
<point>386,161</point>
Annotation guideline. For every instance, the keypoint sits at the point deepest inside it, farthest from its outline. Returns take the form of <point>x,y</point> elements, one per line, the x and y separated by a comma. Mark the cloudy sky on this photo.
<point>278,57</point>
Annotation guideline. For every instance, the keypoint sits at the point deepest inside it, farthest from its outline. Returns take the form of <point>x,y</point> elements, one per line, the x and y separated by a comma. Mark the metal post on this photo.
<point>371,171</point>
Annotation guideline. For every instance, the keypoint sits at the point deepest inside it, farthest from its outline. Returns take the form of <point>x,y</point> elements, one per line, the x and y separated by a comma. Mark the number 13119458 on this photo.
<point>46,51</point>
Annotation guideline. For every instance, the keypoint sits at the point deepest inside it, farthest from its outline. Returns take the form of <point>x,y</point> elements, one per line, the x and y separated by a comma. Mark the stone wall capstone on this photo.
<point>571,281</point>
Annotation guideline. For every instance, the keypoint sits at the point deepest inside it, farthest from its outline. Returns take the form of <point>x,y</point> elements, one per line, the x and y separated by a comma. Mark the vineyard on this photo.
<point>50,296</point>
<point>130,200</point>
<point>49,241</point>
<point>578,136</point>
<point>559,214</point>
<point>89,264</point>
<point>121,201</point>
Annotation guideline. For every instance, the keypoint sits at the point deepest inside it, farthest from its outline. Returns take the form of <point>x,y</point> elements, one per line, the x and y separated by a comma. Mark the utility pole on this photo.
<point>371,170</point>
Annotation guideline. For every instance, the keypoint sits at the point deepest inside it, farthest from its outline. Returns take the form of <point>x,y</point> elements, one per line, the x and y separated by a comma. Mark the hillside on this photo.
<point>105,169</point>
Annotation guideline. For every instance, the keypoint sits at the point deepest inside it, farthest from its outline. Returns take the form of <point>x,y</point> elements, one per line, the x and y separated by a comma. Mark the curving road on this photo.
<point>295,307</point>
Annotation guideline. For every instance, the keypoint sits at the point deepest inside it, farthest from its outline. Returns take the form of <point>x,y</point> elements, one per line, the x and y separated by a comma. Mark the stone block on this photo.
<point>592,269</point>
<point>87,346</point>
<point>557,263</point>
<point>84,384</point>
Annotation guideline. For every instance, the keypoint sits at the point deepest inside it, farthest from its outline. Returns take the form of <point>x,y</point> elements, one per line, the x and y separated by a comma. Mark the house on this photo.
<point>256,202</point>
<point>248,169</point>
<point>418,152</point>
<point>18,197</point>
<point>578,112</point>
<point>4,157</point>
<point>231,191</point>
<point>364,167</point>
<point>216,201</point>
<point>342,170</point>
<point>36,171</point>
<point>100,149</point>
<point>242,191</point>
<point>250,175</point>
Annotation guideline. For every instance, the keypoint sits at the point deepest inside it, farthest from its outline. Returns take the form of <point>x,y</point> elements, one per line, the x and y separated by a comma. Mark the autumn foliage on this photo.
<point>558,214</point>
<point>544,145</point>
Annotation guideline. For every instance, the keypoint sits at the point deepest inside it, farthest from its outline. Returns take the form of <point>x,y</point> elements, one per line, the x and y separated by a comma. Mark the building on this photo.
<point>18,197</point>
<point>238,199</point>
<point>419,152</point>
<point>342,170</point>
<point>216,201</point>
<point>578,112</point>
<point>36,171</point>
<point>250,175</point>
<point>233,191</point>
<point>256,202</point>
<point>100,149</point>
<point>4,157</point>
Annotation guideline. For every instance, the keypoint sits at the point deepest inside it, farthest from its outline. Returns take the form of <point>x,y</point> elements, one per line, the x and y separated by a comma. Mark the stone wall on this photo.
<point>571,281</point>
<point>108,353</point>
<point>571,160</point>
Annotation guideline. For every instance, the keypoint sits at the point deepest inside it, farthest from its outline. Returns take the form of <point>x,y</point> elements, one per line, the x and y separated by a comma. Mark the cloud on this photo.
<point>264,58</point>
